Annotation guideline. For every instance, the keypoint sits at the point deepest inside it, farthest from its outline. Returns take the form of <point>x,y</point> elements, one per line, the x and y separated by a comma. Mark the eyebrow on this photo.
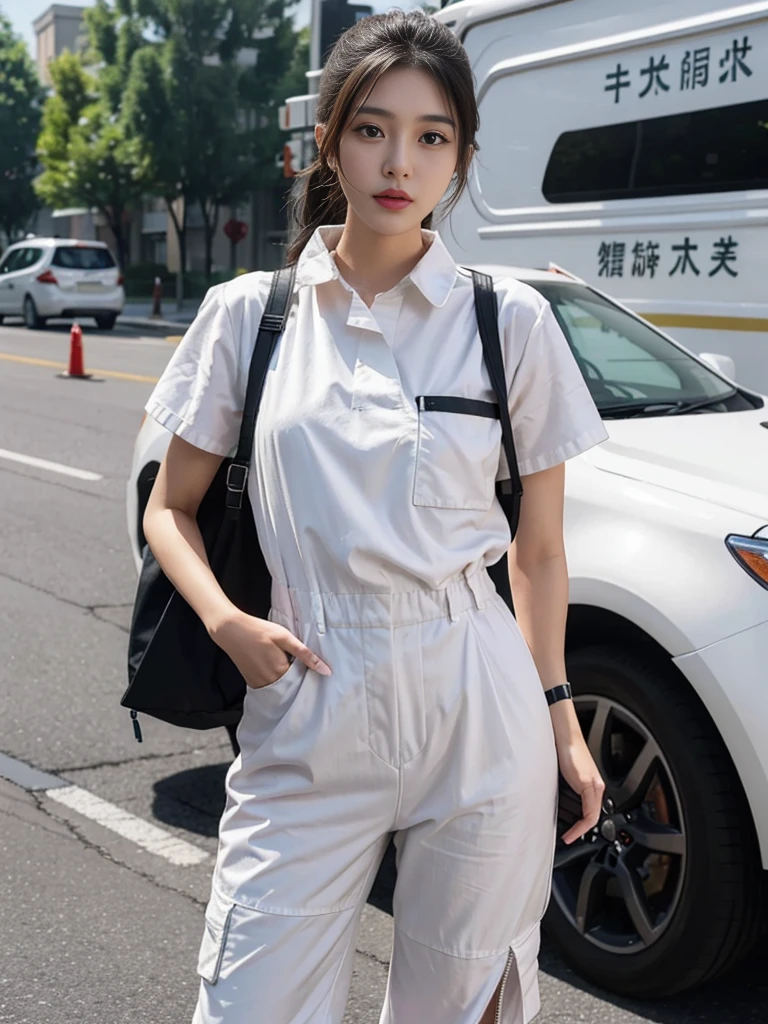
<point>381,112</point>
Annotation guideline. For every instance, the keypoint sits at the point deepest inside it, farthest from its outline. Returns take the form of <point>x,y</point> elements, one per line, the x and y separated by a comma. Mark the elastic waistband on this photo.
<point>339,611</point>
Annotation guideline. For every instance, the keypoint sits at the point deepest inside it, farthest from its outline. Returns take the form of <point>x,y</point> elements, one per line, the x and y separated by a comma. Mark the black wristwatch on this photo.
<point>556,693</point>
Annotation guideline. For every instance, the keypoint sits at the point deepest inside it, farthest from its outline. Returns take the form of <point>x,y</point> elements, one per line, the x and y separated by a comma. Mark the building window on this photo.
<point>724,149</point>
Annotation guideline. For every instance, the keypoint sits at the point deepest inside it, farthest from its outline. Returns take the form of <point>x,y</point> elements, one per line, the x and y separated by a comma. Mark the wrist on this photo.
<point>219,623</point>
<point>565,722</point>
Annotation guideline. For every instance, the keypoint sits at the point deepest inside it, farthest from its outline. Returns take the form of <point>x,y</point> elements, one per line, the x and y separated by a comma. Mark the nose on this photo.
<point>397,163</point>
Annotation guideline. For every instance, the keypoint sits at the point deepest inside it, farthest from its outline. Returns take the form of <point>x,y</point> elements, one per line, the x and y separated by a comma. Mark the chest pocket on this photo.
<point>457,452</point>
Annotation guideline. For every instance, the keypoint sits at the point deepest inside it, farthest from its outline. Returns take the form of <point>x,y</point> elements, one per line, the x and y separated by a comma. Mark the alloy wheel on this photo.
<point>619,885</point>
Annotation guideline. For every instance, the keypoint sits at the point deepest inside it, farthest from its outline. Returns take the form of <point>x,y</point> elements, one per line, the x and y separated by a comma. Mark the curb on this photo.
<point>158,324</point>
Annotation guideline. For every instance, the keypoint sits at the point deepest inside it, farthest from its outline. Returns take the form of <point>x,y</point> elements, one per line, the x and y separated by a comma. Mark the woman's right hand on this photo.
<point>260,648</point>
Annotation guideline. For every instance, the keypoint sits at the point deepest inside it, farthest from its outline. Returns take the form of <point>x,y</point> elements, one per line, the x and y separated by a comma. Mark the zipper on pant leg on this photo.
<point>505,975</point>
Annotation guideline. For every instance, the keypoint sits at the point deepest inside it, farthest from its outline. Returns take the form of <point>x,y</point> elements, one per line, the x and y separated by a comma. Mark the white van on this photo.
<point>627,143</point>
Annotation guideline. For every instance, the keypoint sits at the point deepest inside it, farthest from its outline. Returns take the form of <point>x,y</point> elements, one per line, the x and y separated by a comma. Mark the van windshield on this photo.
<point>630,369</point>
<point>82,257</point>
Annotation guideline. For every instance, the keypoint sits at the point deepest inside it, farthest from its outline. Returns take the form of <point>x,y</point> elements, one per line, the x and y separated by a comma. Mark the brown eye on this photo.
<point>365,127</point>
<point>436,135</point>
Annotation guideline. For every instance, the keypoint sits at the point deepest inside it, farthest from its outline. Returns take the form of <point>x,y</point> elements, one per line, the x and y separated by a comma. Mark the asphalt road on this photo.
<point>94,928</point>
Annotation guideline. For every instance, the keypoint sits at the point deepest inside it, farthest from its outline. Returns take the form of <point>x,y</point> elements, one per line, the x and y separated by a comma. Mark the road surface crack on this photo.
<point>90,608</point>
<point>106,855</point>
<point>132,760</point>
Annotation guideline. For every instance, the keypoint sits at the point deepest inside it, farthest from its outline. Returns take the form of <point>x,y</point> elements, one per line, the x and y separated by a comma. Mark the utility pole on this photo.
<point>315,23</point>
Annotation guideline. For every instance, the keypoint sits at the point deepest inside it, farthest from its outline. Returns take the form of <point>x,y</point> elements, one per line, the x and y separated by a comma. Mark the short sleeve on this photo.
<point>198,396</point>
<point>552,411</point>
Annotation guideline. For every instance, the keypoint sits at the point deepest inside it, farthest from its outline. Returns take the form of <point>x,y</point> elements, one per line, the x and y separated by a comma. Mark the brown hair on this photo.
<point>360,56</point>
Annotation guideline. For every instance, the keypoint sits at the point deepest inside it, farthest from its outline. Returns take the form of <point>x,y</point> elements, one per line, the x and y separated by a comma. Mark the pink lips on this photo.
<point>393,202</point>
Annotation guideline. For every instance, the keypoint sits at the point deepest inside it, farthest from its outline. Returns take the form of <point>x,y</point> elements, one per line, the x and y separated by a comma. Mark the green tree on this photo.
<point>84,152</point>
<point>21,101</point>
<point>203,123</point>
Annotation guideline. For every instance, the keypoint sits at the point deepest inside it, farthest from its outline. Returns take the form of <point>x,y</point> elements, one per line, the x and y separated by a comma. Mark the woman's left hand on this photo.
<point>577,767</point>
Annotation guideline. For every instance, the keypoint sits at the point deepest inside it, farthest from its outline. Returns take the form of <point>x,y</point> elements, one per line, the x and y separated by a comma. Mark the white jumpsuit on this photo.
<point>377,520</point>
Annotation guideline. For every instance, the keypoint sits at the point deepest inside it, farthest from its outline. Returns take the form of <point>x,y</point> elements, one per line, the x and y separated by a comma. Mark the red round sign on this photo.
<point>235,230</point>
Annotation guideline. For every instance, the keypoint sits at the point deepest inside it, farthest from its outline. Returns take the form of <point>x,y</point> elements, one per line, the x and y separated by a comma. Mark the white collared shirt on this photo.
<point>352,485</point>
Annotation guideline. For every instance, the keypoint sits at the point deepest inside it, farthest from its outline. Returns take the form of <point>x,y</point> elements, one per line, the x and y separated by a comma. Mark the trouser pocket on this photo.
<point>218,915</point>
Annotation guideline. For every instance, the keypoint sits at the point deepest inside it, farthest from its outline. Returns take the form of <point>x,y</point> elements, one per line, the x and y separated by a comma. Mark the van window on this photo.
<point>724,149</point>
<point>82,257</point>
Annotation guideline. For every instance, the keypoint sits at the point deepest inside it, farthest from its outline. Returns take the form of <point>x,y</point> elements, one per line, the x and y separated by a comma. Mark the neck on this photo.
<point>372,262</point>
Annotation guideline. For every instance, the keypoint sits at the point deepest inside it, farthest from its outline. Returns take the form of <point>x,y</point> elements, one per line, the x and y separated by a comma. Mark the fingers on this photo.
<point>292,645</point>
<point>591,804</point>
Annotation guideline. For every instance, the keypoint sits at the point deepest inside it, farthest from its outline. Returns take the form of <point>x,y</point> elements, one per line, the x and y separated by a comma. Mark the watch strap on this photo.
<point>556,693</point>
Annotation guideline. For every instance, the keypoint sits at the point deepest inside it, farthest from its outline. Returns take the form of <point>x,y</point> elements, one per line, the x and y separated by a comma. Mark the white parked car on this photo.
<point>667,647</point>
<point>46,278</point>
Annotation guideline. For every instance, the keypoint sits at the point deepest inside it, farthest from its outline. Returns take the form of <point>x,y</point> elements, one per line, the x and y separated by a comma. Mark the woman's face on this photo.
<point>404,137</point>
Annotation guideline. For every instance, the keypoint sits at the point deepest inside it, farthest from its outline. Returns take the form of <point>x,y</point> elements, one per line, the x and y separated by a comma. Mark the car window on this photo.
<point>82,257</point>
<point>32,257</point>
<point>27,258</point>
<point>624,360</point>
<point>11,261</point>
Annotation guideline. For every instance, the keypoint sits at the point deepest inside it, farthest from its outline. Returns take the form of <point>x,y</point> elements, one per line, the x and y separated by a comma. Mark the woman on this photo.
<point>414,703</point>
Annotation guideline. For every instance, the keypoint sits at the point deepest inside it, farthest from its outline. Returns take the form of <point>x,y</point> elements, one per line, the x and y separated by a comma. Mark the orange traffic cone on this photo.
<point>76,368</point>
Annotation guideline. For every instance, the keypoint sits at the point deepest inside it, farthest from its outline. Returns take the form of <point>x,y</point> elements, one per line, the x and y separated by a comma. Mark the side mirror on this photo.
<point>721,364</point>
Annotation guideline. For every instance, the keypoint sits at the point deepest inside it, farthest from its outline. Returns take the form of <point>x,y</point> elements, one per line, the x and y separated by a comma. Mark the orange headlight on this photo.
<point>752,555</point>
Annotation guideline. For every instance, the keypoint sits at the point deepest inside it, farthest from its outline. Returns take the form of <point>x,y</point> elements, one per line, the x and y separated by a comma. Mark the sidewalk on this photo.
<point>139,314</point>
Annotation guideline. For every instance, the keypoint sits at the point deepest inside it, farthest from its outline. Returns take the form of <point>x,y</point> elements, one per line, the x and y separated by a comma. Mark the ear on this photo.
<point>319,133</point>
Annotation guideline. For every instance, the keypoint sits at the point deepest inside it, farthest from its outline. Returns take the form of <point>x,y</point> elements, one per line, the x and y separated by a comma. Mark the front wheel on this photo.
<point>665,892</point>
<point>106,323</point>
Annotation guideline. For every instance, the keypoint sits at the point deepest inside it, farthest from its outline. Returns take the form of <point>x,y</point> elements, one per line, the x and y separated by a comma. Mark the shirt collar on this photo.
<point>434,275</point>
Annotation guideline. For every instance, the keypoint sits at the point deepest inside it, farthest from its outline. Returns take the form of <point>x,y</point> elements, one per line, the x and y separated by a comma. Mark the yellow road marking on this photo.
<point>174,338</point>
<point>709,323</point>
<point>117,374</point>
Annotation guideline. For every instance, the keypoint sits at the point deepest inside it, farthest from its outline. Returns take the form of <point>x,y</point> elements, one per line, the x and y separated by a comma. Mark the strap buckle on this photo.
<point>235,483</point>
<point>272,321</point>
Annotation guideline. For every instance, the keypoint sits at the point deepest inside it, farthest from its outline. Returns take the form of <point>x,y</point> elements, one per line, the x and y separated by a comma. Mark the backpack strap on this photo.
<point>509,492</point>
<point>270,328</point>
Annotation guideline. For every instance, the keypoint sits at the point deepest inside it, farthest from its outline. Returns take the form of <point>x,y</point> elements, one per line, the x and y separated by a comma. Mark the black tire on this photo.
<point>1,319</point>
<point>665,899</point>
<point>106,323</point>
<point>32,320</point>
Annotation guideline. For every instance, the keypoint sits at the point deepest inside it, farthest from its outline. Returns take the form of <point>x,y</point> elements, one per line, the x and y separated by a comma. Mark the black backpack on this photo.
<point>176,672</point>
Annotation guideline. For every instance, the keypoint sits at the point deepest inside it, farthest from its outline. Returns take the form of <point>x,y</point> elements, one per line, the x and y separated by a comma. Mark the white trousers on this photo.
<point>433,726</point>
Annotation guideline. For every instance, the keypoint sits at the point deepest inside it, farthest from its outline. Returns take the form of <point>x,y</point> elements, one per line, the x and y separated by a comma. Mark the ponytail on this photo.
<point>317,198</point>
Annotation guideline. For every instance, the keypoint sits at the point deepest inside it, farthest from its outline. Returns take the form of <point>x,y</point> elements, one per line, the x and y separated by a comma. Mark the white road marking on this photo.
<point>54,467</point>
<point>149,837</point>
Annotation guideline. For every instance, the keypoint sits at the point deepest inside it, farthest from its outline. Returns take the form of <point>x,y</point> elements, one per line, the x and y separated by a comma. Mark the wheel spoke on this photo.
<point>634,898</point>
<point>572,854</point>
<point>596,738</point>
<point>658,838</point>
<point>635,783</point>
<point>584,899</point>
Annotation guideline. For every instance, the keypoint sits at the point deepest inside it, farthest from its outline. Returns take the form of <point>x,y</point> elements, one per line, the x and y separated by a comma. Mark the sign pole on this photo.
<point>314,35</point>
